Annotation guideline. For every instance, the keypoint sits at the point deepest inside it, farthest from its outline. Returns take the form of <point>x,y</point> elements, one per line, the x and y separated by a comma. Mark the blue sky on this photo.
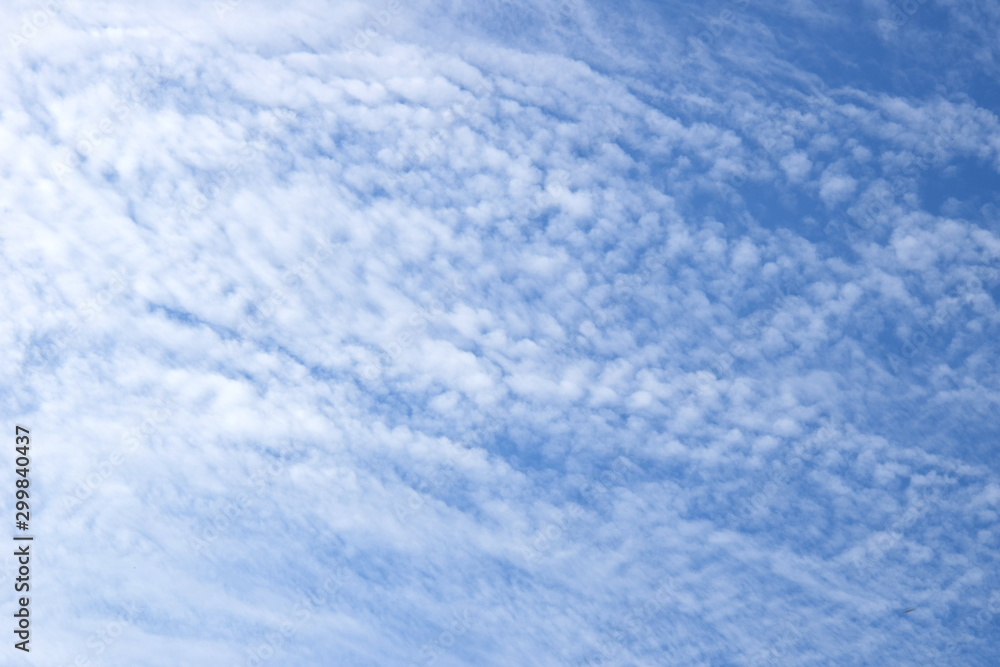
<point>505,333</point>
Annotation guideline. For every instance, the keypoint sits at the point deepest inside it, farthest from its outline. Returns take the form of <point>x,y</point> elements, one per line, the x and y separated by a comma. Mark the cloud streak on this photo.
<point>507,335</point>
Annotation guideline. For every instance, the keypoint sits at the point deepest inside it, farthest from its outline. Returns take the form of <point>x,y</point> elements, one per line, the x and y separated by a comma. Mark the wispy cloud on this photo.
<point>503,333</point>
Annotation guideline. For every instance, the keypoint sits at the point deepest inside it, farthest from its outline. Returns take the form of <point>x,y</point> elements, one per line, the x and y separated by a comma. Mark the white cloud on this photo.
<point>504,323</point>
<point>836,188</point>
<point>797,166</point>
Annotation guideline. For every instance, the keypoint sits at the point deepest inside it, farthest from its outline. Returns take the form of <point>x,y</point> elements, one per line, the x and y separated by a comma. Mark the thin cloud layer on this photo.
<point>618,334</point>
